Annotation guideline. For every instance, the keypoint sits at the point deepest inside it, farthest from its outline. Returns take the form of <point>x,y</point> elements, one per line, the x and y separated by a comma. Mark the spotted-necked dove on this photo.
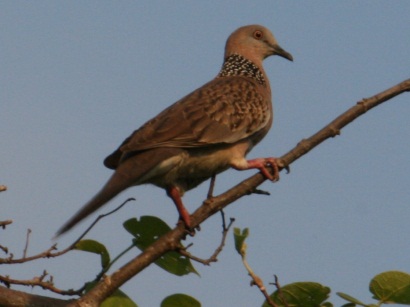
<point>204,133</point>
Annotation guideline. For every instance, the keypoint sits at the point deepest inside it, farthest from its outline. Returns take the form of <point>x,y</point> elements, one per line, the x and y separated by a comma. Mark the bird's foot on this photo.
<point>262,164</point>
<point>188,230</point>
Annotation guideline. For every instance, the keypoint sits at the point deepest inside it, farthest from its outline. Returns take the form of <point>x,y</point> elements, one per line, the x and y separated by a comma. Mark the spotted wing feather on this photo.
<point>225,110</point>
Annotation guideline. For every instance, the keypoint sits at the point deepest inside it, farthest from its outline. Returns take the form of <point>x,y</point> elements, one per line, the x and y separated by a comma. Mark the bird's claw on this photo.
<point>190,232</point>
<point>262,164</point>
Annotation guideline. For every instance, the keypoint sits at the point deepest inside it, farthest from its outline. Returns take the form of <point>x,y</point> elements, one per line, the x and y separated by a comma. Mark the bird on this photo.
<point>203,134</point>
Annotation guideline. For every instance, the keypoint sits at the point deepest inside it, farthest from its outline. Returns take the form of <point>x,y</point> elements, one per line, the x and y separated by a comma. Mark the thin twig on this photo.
<point>280,293</point>
<point>224,221</point>
<point>218,250</point>
<point>101,216</point>
<point>105,270</point>
<point>257,281</point>
<point>45,254</point>
<point>39,282</point>
<point>27,242</point>
<point>50,252</point>
<point>4,249</point>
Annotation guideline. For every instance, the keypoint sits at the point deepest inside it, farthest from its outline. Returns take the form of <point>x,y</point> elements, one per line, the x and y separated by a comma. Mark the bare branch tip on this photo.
<point>260,192</point>
<point>3,224</point>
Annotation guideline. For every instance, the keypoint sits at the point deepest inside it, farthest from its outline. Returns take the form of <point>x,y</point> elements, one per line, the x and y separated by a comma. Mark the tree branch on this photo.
<point>170,241</point>
<point>11,297</point>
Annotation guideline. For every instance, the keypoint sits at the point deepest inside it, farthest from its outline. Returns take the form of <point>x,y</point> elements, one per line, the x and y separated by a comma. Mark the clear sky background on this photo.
<point>77,77</point>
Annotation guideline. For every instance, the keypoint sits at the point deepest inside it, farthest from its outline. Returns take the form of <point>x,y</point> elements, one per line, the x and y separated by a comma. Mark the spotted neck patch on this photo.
<point>237,65</point>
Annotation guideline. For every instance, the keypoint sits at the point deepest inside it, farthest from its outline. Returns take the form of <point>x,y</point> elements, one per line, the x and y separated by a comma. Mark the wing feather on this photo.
<point>225,110</point>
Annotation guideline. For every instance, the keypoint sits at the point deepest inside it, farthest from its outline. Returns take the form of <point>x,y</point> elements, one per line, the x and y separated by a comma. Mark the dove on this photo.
<point>203,134</point>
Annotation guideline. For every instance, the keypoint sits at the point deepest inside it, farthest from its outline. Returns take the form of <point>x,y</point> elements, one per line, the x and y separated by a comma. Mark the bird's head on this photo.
<point>255,43</point>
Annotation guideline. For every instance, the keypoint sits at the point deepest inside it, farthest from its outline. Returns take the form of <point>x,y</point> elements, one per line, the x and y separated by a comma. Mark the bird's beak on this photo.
<point>278,50</point>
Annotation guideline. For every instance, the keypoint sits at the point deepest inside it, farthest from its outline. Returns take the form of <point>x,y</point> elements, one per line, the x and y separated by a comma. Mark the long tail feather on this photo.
<point>127,174</point>
<point>112,188</point>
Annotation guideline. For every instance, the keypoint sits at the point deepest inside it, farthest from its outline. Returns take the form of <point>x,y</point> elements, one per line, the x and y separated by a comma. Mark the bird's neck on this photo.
<point>237,65</point>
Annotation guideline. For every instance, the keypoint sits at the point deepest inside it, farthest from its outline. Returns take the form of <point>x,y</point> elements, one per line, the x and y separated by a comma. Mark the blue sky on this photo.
<point>78,77</point>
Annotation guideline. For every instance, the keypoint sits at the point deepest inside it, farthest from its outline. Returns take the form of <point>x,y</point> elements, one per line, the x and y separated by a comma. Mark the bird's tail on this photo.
<point>112,188</point>
<point>127,174</point>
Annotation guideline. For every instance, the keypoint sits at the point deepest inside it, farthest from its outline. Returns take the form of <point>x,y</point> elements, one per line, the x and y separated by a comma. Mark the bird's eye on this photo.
<point>258,34</point>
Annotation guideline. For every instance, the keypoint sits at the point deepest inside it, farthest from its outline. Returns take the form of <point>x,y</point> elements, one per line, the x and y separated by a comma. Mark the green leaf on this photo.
<point>239,238</point>
<point>146,231</point>
<point>95,247</point>
<point>350,299</point>
<point>391,287</point>
<point>117,299</point>
<point>306,294</point>
<point>180,300</point>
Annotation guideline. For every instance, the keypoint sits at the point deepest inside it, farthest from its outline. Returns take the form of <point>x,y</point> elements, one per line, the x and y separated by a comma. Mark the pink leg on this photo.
<point>173,193</point>
<point>261,164</point>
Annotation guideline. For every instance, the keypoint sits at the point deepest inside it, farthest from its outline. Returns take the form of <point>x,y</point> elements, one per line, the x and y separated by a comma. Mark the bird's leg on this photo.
<point>211,187</point>
<point>261,164</point>
<point>174,194</point>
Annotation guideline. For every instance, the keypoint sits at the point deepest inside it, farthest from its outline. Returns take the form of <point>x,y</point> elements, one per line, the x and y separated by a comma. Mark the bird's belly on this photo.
<point>203,166</point>
<point>193,166</point>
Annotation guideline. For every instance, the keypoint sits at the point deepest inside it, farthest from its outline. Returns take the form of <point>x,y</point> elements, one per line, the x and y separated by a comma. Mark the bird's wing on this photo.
<point>225,110</point>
